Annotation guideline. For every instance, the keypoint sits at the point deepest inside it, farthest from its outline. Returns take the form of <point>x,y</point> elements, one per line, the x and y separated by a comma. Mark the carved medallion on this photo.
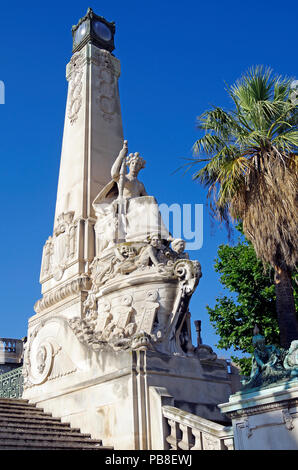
<point>41,363</point>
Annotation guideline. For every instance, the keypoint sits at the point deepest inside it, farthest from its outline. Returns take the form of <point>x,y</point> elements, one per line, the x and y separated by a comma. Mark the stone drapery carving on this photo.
<point>61,248</point>
<point>123,209</point>
<point>131,258</point>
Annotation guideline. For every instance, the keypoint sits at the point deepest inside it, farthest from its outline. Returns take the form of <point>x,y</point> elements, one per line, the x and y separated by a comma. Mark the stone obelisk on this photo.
<point>92,138</point>
<point>110,344</point>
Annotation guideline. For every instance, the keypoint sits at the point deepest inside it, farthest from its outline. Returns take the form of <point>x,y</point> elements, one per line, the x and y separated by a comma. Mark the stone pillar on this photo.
<point>93,132</point>
<point>265,418</point>
<point>92,139</point>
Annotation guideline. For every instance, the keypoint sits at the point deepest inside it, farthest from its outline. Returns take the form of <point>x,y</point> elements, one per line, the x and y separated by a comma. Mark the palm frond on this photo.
<point>249,158</point>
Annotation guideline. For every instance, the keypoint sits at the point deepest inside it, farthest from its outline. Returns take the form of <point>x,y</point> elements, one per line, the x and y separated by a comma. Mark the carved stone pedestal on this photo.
<point>265,418</point>
<point>112,394</point>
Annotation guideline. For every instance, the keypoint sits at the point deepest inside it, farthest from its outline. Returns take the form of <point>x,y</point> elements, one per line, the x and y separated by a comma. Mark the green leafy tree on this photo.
<point>250,167</point>
<point>250,300</point>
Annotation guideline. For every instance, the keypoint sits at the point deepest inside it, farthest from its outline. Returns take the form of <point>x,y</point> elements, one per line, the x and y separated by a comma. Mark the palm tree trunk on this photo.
<point>285,308</point>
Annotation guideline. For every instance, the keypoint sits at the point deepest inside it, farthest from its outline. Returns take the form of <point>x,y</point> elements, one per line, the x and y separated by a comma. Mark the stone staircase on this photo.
<point>23,426</point>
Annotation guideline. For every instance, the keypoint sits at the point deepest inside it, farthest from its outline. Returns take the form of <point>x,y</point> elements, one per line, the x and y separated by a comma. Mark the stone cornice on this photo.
<point>73,287</point>
<point>257,409</point>
<point>93,55</point>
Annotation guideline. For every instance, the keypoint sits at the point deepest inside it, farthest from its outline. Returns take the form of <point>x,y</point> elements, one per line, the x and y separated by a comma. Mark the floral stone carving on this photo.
<point>76,85</point>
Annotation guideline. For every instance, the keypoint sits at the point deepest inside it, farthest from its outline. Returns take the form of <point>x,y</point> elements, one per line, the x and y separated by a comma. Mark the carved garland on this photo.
<point>76,85</point>
<point>106,98</point>
<point>83,283</point>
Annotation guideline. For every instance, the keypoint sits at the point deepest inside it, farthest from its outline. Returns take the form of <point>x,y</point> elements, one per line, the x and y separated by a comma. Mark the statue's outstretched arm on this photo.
<point>115,171</point>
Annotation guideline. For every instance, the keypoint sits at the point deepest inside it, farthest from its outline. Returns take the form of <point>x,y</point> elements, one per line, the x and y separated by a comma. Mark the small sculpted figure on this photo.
<point>40,359</point>
<point>267,363</point>
<point>127,260</point>
<point>291,359</point>
<point>46,264</point>
<point>128,184</point>
<point>178,246</point>
<point>124,210</point>
<point>150,252</point>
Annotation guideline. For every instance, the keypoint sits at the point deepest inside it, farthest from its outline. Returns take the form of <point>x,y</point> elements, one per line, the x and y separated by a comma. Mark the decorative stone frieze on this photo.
<point>60,249</point>
<point>75,71</point>
<point>82,283</point>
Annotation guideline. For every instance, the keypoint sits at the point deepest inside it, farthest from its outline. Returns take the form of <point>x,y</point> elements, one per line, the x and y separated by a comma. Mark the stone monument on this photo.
<point>264,412</point>
<point>111,338</point>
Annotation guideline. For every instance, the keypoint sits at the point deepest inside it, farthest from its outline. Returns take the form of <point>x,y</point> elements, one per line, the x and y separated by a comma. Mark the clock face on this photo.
<point>102,31</point>
<point>81,31</point>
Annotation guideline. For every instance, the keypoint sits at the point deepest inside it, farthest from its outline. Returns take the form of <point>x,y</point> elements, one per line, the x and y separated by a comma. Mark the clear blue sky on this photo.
<point>176,57</point>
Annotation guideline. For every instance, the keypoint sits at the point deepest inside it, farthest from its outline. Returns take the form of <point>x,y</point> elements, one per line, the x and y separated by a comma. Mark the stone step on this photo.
<point>48,437</point>
<point>22,409</point>
<point>6,444</point>
<point>18,401</point>
<point>37,430</point>
<point>24,426</point>
<point>9,424</point>
<point>26,416</point>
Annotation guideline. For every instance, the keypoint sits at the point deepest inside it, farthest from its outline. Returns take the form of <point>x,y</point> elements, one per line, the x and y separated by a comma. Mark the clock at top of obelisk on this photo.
<point>93,29</point>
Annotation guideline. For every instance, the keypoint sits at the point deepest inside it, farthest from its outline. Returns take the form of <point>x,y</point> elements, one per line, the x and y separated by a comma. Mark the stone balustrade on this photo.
<point>11,350</point>
<point>191,432</point>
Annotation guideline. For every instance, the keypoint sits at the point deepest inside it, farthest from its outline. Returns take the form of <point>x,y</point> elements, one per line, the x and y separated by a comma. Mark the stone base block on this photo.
<point>113,394</point>
<point>265,418</point>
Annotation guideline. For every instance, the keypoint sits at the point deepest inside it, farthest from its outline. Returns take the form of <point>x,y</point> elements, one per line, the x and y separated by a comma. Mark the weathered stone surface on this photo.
<point>265,418</point>
<point>113,323</point>
<point>271,364</point>
<point>26,427</point>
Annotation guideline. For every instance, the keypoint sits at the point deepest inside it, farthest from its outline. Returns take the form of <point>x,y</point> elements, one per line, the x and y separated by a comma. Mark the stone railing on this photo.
<point>11,383</point>
<point>191,432</point>
<point>11,350</point>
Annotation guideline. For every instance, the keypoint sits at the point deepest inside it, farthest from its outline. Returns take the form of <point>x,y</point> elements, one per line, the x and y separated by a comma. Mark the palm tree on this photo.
<point>250,169</point>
